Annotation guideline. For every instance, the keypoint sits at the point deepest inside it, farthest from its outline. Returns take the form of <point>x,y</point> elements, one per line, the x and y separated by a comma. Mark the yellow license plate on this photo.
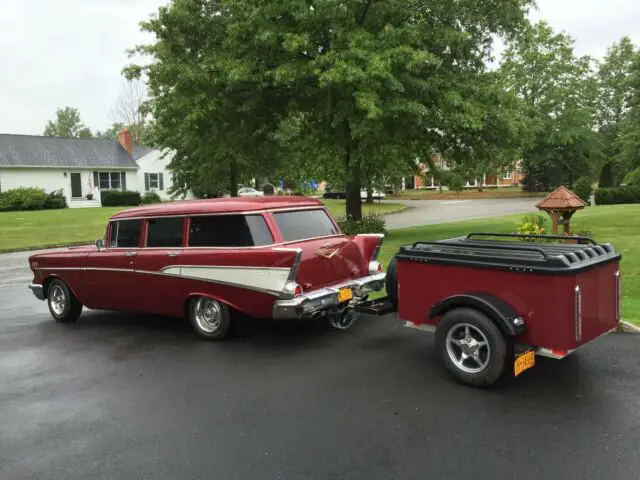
<point>344,294</point>
<point>524,362</point>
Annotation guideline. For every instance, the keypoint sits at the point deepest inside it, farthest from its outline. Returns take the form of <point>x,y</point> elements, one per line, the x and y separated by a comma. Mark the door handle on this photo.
<point>130,254</point>
<point>173,254</point>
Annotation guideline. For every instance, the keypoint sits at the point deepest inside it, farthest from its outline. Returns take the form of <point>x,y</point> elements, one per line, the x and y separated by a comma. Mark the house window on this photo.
<point>153,181</point>
<point>506,175</point>
<point>110,180</point>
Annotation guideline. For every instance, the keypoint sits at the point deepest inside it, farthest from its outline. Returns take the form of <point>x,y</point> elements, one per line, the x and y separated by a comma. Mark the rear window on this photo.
<point>305,224</point>
<point>164,232</point>
<point>124,234</point>
<point>229,231</point>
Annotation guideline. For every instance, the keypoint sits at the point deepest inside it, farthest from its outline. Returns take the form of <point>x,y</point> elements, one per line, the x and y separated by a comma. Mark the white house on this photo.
<point>82,167</point>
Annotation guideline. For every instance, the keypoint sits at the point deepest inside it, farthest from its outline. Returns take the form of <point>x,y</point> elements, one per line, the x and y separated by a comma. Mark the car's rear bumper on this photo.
<point>315,303</point>
<point>37,290</point>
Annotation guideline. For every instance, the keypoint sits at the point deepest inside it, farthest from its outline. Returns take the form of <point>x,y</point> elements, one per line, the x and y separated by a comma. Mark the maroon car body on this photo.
<point>272,257</point>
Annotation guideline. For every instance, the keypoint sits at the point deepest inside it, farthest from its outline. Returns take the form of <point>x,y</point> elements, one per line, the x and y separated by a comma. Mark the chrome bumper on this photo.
<point>37,290</point>
<point>314,303</point>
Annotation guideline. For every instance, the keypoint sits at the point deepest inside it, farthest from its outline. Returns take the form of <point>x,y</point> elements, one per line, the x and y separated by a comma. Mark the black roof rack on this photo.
<point>512,254</point>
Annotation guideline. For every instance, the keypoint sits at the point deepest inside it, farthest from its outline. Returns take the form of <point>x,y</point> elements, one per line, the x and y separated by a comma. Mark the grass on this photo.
<point>504,192</point>
<point>47,228</point>
<point>618,225</point>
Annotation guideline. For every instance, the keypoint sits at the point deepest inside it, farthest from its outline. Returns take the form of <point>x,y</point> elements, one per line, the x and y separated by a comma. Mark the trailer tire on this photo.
<point>391,282</point>
<point>472,347</point>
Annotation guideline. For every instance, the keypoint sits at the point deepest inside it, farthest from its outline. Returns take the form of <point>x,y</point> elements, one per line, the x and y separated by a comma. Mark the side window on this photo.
<point>229,231</point>
<point>124,234</point>
<point>305,224</point>
<point>164,232</point>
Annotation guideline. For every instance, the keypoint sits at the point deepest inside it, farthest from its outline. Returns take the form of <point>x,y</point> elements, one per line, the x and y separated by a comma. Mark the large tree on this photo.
<point>67,124</point>
<point>353,87</point>
<point>615,74</point>
<point>131,109</point>
<point>559,92</point>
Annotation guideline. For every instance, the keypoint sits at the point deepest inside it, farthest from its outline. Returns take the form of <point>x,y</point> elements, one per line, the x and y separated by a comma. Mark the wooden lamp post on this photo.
<point>561,204</point>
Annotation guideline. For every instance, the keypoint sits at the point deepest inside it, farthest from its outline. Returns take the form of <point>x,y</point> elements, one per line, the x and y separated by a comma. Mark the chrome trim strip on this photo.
<point>210,214</point>
<point>222,267</point>
<point>578,312</point>
<point>37,290</point>
<point>617,296</point>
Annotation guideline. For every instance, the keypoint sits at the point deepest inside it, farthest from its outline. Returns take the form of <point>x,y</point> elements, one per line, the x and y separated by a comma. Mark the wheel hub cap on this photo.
<point>208,314</point>
<point>468,348</point>
<point>57,300</point>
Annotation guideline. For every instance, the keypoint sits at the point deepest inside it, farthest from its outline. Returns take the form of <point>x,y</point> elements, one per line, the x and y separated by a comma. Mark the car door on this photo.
<point>111,270</point>
<point>160,291</point>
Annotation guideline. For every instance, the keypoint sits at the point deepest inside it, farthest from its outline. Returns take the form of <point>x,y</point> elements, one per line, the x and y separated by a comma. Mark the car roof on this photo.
<point>218,205</point>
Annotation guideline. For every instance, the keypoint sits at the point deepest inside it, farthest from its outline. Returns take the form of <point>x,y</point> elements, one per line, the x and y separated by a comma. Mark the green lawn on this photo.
<point>44,228</point>
<point>618,225</point>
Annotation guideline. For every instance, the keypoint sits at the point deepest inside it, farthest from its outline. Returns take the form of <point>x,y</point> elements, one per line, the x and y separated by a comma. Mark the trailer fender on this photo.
<point>503,314</point>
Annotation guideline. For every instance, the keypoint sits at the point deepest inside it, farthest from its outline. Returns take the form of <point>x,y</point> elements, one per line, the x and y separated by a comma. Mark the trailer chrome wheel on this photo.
<point>209,318</point>
<point>472,347</point>
<point>468,348</point>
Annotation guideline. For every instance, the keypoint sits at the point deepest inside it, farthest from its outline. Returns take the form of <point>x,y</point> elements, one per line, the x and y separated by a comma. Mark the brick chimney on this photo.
<point>126,140</point>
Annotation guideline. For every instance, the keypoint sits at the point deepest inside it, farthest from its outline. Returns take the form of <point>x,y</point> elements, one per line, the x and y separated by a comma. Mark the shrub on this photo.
<point>615,196</point>
<point>116,198</point>
<point>536,218</point>
<point>531,224</point>
<point>454,182</point>
<point>372,223</point>
<point>151,197</point>
<point>55,199</point>
<point>22,199</point>
<point>583,188</point>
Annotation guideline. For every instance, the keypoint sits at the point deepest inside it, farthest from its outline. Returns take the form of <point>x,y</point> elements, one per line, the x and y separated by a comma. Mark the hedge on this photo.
<point>151,197</point>
<point>23,198</point>
<point>615,196</point>
<point>116,198</point>
<point>373,223</point>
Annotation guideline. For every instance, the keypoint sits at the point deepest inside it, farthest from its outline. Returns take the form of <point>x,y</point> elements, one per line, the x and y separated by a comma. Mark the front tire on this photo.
<point>63,304</point>
<point>210,319</point>
<point>472,347</point>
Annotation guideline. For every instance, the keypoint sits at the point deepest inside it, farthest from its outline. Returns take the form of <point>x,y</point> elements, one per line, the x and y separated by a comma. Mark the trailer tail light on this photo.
<point>617,297</point>
<point>578,312</point>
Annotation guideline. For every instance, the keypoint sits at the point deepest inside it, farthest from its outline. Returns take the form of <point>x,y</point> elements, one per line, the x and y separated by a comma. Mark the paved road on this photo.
<point>428,212</point>
<point>130,397</point>
<point>14,266</point>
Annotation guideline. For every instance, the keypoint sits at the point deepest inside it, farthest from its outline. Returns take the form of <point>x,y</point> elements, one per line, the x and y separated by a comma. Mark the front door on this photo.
<point>76,185</point>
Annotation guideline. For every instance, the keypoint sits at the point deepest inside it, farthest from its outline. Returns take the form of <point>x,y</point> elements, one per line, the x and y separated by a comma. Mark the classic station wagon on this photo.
<point>268,257</point>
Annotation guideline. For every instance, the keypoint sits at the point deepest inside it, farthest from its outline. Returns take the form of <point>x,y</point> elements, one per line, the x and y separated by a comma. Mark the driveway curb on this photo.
<point>628,327</point>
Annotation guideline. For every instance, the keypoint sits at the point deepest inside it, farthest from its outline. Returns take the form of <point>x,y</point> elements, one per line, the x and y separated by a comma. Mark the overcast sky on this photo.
<point>70,52</point>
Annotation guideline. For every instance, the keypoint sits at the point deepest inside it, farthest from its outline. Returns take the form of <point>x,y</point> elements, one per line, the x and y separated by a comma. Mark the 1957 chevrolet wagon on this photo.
<point>268,257</point>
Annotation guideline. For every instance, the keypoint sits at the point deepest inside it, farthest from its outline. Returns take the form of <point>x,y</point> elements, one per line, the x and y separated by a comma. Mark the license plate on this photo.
<point>344,294</point>
<point>524,362</point>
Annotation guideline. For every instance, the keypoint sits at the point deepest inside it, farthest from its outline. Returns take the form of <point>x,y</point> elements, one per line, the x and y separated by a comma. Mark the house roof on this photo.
<point>139,151</point>
<point>218,205</point>
<point>561,199</point>
<point>41,151</point>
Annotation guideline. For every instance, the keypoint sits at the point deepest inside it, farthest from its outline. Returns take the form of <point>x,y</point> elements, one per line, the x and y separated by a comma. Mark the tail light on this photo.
<point>375,267</point>
<point>292,289</point>
<point>297,291</point>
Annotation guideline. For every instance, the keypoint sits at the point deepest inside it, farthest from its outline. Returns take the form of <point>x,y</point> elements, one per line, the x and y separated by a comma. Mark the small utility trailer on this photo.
<point>495,301</point>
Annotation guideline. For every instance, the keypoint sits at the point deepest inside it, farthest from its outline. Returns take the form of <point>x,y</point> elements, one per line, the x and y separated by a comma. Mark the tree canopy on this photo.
<point>67,124</point>
<point>353,89</point>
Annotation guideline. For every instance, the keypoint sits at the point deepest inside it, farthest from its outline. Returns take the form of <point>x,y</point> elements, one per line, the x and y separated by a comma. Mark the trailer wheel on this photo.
<point>472,347</point>
<point>391,282</point>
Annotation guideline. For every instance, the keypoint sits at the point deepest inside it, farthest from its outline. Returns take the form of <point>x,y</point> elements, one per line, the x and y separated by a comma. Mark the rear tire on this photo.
<point>63,304</point>
<point>391,282</point>
<point>472,347</point>
<point>210,319</point>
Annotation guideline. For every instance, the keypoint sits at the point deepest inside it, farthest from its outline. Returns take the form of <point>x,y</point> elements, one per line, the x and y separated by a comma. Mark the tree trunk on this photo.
<point>480,182</point>
<point>233,178</point>
<point>369,193</point>
<point>354,203</point>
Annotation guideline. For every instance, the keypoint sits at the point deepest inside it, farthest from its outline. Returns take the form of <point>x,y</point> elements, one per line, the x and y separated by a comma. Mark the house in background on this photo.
<point>82,168</point>
<point>511,177</point>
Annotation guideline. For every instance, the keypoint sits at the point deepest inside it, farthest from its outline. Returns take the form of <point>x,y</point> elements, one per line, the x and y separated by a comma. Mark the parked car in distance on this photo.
<point>267,257</point>
<point>249,192</point>
<point>375,194</point>
<point>341,195</point>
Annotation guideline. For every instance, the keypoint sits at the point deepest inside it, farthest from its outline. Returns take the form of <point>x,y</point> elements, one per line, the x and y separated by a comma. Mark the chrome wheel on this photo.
<point>57,299</point>
<point>208,314</point>
<point>468,348</point>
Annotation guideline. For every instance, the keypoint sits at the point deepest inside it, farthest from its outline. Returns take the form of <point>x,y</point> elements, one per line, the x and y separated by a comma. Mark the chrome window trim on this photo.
<point>209,214</point>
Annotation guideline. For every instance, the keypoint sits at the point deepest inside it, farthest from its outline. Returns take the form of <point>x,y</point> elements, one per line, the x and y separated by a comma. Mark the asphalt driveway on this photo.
<point>132,397</point>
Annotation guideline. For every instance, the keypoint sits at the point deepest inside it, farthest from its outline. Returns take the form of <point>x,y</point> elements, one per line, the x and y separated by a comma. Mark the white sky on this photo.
<point>55,53</point>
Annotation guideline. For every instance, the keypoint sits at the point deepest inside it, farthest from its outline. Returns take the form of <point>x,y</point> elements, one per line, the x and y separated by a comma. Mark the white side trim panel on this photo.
<point>266,279</point>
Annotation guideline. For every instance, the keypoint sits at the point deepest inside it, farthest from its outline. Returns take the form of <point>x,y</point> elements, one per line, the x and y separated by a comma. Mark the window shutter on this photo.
<point>96,181</point>
<point>146,181</point>
<point>123,180</point>
<point>160,181</point>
